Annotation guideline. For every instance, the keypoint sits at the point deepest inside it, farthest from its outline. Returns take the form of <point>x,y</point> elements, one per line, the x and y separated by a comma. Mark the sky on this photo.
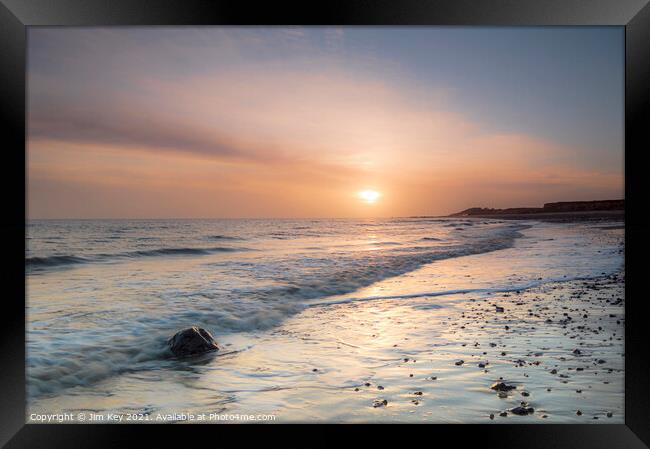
<point>290,122</point>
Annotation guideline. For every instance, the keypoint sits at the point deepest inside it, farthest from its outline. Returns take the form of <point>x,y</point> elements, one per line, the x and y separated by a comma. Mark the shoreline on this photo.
<point>339,362</point>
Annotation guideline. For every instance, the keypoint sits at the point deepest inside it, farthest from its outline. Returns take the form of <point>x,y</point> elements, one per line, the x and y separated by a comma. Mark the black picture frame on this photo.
<point>17,15</point>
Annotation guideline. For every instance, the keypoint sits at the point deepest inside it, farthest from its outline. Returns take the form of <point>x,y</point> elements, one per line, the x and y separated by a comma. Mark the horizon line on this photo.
<point>241,218</point>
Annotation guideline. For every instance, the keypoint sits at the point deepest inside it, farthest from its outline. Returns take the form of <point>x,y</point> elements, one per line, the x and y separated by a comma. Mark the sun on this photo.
<point>369,196</point>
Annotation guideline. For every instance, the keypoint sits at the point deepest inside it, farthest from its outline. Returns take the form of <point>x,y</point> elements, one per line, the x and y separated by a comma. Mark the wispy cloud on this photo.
<point>212,125</point>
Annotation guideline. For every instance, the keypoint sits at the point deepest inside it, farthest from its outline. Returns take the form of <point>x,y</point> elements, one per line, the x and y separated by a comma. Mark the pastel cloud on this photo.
<point>255,138</point>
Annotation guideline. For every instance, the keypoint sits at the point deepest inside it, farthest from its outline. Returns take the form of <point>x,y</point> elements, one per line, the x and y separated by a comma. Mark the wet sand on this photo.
<point>559,346</point>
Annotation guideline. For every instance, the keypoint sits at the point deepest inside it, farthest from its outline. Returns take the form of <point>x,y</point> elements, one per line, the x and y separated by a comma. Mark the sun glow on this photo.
<point>369,196</point>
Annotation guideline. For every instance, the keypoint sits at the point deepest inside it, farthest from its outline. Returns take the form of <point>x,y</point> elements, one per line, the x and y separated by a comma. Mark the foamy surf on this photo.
<point>462,291</point>
<point>33,264</point>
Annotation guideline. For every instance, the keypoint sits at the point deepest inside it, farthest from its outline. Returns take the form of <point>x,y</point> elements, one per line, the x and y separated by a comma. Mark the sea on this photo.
<point>103,296</point>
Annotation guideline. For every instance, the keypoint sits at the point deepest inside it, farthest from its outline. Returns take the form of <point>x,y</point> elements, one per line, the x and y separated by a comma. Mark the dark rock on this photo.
<point>192,341</point>
<point>380,403</point>
<point>503,414</point>
<point>579,413</point>
<point>522,411</point>
<point>500,386</point>
<point>499,309</point>
<point>460,362</point>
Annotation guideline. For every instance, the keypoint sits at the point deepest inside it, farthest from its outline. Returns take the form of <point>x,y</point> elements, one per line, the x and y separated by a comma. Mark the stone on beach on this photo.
<point>500,386</point>
<point>192,341</point>
<point>522,411</point>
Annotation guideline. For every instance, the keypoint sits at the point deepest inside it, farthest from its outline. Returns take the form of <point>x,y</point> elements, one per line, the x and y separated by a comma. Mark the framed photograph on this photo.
<point>428,212</point>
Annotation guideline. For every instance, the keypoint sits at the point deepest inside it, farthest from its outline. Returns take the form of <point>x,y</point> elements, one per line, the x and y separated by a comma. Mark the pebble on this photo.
<point>500,386</point>
<point>522,411</point>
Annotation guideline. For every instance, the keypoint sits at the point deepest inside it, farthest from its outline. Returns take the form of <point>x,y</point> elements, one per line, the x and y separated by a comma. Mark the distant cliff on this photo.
<point>564,206</point>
